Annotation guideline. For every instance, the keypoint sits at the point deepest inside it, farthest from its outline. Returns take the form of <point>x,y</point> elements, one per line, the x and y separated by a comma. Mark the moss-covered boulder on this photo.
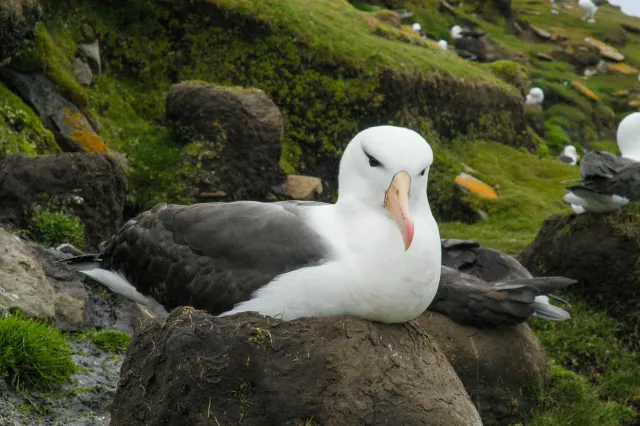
<point>71,128</point>
<point>17,20</point>
<point>197,369</point>
<point>497,366</point>
<point>233,138</point>
<point>601,252</point>
<point>90,186</point>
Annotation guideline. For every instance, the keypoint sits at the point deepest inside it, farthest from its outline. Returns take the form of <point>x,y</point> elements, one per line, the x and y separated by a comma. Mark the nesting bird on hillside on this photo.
<point>609,182</point>
<point>374,254</point>
<point>443,44</point>
<point>486,288</point>
<point>535,96</point>
<point>589,8</point>
<point>569,155</point>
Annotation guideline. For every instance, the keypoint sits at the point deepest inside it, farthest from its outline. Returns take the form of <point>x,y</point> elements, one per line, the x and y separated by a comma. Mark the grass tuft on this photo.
<point>33,354</point>
<point>54,227</point>
<point>112,341</point>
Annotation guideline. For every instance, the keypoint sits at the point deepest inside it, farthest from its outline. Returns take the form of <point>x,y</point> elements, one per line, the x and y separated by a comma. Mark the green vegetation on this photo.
<point>608,384</point>
<point>21,130</point>
<point>33,354</point>
<point>56,227</point>
<point>112,341</point>
<point>529,188</point>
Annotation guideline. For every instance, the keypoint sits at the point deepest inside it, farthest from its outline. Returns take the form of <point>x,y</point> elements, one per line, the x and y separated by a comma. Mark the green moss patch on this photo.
<point>21,131</point>
<point>33,354</point>
<point>55,227</point>
<point>112,341</point>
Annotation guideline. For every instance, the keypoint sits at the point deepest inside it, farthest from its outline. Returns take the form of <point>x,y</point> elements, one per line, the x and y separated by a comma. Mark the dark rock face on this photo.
<point>79,302</point>
<point>91,185</point>
<point>535,118</point>
<point>601,252</point>
<point>196,369</point>
<point>495,365</point>
<point>235,140</point>
<point>71,128</point>
<point>18,18</point>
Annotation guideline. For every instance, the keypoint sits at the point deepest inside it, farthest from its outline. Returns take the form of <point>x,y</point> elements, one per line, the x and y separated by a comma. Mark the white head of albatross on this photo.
<point>628,136</point>
<point>384,244</point>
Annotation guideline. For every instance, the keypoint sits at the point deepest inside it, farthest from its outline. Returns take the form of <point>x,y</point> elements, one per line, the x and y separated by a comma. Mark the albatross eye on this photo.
<point>373,162</point>
<point>423,172</point>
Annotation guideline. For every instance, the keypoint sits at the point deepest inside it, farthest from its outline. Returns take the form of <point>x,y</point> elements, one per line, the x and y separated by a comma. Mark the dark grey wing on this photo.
<point>487,264</point>
<point>212,255</point>
<point>602,164</point>
<point>565,158</point>
<point>624,182</point>
<point>458,253</point>
<point>469,300</point>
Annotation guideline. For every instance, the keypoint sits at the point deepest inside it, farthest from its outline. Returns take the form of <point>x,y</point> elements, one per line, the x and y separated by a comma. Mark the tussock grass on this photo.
<point>33,354</point>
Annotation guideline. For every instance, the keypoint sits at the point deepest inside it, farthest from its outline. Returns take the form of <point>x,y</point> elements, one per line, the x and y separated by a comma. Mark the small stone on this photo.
<point>303,187</point>
<point>92,52</point>
<point>585,90</point>
<point>83,73</point>
<point>545,56</point>
<point>540,32</point>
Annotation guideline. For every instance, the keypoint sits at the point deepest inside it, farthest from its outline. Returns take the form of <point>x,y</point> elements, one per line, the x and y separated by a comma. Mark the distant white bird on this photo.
<point>443,44</point>
<point>417,27</point>
<point>535,96</point>
<point>569,155</point>
<point>456,32</point>
<point>589,8</point>
<point>608,181</point>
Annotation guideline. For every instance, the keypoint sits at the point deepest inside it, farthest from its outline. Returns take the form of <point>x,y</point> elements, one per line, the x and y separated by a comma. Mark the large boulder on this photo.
<point>23,284</point>
<point>234,140</point>
<point>601,252</point>
<point>18,19</point>
<point>496,365</point>
<point>71,128</point>
<point>196,369</point>
<point>92,186</point>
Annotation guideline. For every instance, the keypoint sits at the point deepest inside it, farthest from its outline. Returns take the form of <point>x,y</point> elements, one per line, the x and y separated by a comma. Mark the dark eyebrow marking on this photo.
<point>373,162</point>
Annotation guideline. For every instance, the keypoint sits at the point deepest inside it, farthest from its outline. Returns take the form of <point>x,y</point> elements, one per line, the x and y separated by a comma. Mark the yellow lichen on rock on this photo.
<point>475,186</point>
<point>585,90</point>
<point>83,135</point>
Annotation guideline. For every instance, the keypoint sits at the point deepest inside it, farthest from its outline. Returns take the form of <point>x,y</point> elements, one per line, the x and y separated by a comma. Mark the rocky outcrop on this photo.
<point>496,365</point>
<point>192,367</point>
<point>92,186</point>
<point>18,19</point>
<point>601,252</point>
<point>234,138</point>
<point>71,128</point>
<point>23,284</point>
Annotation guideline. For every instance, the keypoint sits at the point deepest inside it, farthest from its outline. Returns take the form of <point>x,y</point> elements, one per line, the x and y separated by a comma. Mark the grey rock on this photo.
<point>23,284</point>
<point>91,185</point>
<point>91,51</point>
<point>83,72</point>
<point>63,118</point>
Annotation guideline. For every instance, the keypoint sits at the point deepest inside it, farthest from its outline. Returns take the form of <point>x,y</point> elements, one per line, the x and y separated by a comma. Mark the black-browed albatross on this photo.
<point>483,287</point>
<point>608,181</point>
<point>374,254</point>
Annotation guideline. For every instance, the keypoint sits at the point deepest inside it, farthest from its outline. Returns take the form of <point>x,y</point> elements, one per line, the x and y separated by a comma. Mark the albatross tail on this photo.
<point>117,283</point>
<point>89,265</point>
<point>545,310</point>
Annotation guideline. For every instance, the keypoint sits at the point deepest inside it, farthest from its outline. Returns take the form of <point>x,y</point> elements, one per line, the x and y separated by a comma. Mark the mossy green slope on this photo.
<point>327,66</point>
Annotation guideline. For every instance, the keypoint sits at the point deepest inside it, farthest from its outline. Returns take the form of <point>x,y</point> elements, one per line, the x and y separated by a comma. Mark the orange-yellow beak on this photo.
<point>396,201</point>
